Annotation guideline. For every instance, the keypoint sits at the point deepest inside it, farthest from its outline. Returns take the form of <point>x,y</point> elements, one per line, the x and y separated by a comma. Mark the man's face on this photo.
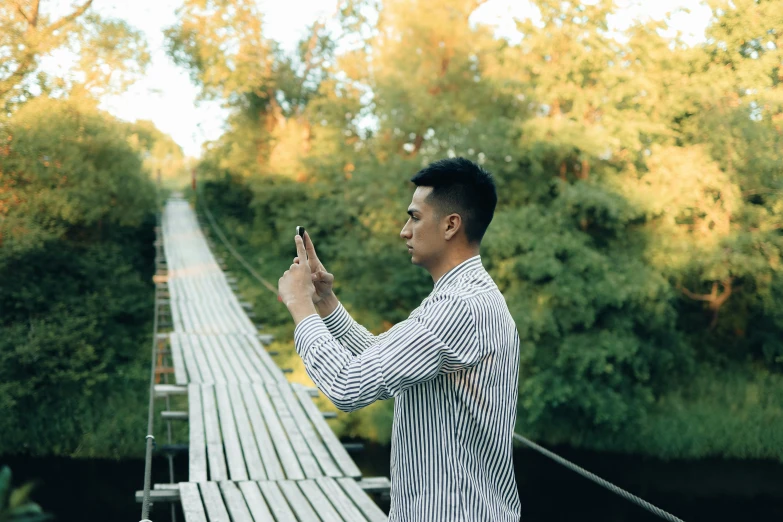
<point>422,233</point>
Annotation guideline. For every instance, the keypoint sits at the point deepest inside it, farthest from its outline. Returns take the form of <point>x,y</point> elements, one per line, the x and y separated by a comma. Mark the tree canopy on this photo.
<point>638,234</point>
<point>77,210</point>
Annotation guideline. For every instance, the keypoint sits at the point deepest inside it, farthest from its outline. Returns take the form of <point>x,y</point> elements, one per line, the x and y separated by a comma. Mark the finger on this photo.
<point>311,249</point>
<point>296,260</point>
<point>300,248</point>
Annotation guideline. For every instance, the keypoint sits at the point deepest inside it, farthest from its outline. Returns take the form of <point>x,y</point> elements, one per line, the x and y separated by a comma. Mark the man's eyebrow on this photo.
<point>412,210</point>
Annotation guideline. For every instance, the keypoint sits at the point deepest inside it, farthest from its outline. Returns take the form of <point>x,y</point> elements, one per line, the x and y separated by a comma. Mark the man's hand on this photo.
<point>296,288</point>
<point>324,299</point>
<point>322,280</point>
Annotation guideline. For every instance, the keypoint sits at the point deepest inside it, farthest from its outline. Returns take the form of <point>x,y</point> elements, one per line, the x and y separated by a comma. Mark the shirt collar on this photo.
<point>462,268</point>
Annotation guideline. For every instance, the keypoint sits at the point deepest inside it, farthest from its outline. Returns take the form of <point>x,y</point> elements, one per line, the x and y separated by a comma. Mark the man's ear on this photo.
<point>453,225</point>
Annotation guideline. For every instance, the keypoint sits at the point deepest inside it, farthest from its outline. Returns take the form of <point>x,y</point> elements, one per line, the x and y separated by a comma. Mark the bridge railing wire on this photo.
<point>527,442</point>
<point>230,247</point>
<point>150,438</point>
<point>598,480</point>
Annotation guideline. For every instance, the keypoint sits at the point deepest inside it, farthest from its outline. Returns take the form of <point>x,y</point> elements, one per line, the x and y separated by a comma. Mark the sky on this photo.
<point>166,96</point>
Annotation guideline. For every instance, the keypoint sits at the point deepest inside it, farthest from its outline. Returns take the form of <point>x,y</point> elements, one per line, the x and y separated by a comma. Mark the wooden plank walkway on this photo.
<point>325,499</point>
<point>259,448</point>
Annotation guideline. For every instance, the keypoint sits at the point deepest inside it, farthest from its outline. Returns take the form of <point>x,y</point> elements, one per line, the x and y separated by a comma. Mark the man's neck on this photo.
<point>450,262</point>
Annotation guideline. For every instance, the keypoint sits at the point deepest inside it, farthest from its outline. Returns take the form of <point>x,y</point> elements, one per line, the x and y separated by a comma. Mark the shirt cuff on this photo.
<point>308,331</point>
<point>338,322</point>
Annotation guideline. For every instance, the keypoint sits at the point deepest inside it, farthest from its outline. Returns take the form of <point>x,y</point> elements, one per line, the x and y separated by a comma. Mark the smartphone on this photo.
<point>301,232</point>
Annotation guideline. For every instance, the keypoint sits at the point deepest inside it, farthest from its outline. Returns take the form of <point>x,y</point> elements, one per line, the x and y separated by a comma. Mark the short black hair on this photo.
<point>459,186</point>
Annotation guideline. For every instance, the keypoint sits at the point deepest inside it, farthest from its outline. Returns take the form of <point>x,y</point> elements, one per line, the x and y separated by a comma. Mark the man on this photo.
<point>452,366</point>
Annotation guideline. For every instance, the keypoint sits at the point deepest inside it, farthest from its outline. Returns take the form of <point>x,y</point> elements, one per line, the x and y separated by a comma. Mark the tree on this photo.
<point>111,54</point>
<point>637,238</point>
<point>76,218</point>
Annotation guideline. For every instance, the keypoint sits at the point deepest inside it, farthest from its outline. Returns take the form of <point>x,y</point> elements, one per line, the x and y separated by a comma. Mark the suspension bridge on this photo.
<point>259,449</point>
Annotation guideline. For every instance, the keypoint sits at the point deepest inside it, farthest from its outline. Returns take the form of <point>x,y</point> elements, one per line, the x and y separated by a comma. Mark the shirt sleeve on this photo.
<point>350,334</point>
<point>441,339</point>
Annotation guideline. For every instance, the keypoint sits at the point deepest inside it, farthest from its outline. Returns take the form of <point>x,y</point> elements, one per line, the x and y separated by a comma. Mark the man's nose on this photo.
<point>404,234</point>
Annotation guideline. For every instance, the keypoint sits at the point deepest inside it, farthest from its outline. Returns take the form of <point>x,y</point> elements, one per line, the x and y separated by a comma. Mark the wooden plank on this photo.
<point>234,343</point>
<point>266,447</point>
<point>215,458</point>
<point>216,310</point>
<point>342,502</point>
<point>197,456</point>
<point>317,498</point>
<point>244,345</point>
<point>180,376</point>
<point>184,309</point>
<point>265,358</point>
<point>210,352</point>
<point>176,317</point>
<point>304,512</point>
<point>343,459</point>
<point>375,484</point>
<point>202,324</point>
<point>276,501</point>
<point>362,500</point>
<point>191,502</point>
<point>208,313</point>
<point>191,364</point>
<point>165,390</point>
<point>235,502</point>
<point>255,468</point>
<point>228,428</point>
<point>222,358</point>
<point>221,309</point>
<point>306,459</point>
<point>322,456</point>
<point>230,353</point>
<point>256,503</point>
<point>201,360</point>
<point>213,502</point>
<point>237,323</point>
<point>195,309</point>
<point>197,326</point>
<point>281,443</point>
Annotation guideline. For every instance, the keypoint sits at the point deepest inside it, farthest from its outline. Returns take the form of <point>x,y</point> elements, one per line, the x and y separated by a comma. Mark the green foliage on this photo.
<point>15,504</point>
<point>76,218</point>
<point>111,54</point>
<point>162,156</point>
<point>597,326</point>
<point>638,234</point>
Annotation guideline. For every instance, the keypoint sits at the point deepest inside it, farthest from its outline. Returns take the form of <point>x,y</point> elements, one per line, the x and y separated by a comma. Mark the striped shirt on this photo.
<point>452,368</point>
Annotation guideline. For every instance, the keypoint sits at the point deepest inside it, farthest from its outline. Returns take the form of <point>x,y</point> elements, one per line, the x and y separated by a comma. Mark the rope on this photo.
<point>233,251</point>
<point>145,503</point>
<point>598,480</point>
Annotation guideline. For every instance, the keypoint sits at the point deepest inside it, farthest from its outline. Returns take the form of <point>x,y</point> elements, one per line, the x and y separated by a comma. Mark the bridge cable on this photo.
<point>598,480</point>
<point>150,439</point>
<point>233,251</point>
